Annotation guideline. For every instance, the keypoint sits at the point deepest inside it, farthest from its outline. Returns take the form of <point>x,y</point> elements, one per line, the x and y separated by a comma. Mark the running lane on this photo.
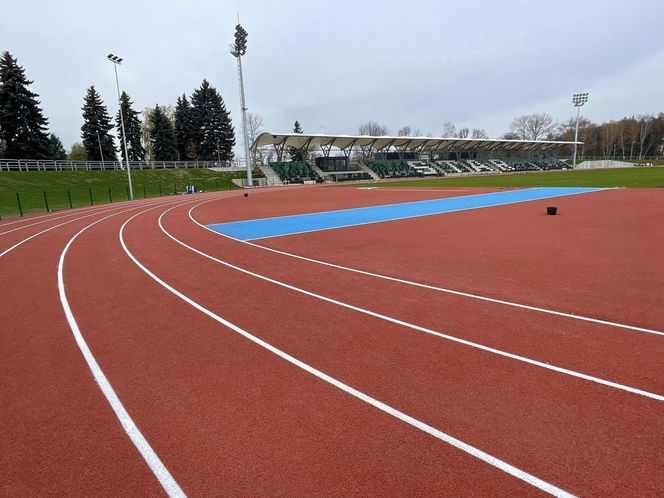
<point>599,257</point>
<point>59,436</point>
<point>227,417</point>
<point>581,436</point>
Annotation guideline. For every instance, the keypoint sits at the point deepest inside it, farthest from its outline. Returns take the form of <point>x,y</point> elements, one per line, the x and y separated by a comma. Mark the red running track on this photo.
<point>227,416</point>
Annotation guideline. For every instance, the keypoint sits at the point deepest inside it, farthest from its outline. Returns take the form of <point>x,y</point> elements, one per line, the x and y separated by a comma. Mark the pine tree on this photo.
<point>22,122</point>
<point>213,131</point>
<point>132,126</point>
<point>162,136</point>
<point>56,150</point>
<point>96,125</point>
<point>295,153</point>
<point>184,131</point>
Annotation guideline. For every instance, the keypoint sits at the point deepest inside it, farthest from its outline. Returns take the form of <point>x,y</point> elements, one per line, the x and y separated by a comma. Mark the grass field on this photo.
<point>622,177</point>
<point>82,184</point>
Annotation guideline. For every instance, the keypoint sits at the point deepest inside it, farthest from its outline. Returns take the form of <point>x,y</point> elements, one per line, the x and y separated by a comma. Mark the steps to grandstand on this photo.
<point>368,171</point>
<point>272,177</point>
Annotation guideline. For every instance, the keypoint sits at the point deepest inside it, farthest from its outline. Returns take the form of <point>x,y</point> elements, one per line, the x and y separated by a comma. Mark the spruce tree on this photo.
<point>56,150</point>
<point>132,126</point>
<point>96,125</point>
<point>184,132</point>
<point>214,135</point>
<point>22,122</point>
<point>295,153</point>
<point>162,136</point>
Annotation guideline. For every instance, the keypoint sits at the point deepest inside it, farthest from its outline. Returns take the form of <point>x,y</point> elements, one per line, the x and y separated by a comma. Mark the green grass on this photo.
<point>147,183</point>
<point>621,177</point>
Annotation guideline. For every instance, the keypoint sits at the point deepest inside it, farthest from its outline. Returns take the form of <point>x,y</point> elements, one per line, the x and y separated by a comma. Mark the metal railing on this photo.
<point>54,165</point>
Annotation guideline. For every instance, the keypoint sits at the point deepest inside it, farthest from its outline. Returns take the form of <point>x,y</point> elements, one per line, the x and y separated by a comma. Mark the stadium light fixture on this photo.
<point>238,49</point>
<point>578,99</point>
<point>116,62</point>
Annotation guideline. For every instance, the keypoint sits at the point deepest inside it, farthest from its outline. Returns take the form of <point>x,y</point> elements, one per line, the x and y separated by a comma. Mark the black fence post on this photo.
<point>18,200</point>
<point>175,189</point>
<point>127,192</point>
<point>46,202</point>
<point>90,192</point>
<point>145,195</point>
<point>160,194</point>
<point>71,206</point>
<point>110,197</point>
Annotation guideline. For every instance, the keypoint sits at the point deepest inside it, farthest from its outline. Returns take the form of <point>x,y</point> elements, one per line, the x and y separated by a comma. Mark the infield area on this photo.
<point>485,350</point>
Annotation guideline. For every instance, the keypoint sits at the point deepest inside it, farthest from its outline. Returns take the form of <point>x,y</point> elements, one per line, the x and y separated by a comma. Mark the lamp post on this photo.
<point>578,99</point>
<point>238,49</point>
<point>116,62</point>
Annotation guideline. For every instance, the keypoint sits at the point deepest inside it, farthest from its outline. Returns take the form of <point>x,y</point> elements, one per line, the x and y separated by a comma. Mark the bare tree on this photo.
<point>372,129</point>
<point>254,128</point>
<point>532,126</point>
<point>645,136</point>
<point>404,131</point>
<point>417,132</point>
<point>463,133</point>
<point>449,129</point>
<point>479,133</point>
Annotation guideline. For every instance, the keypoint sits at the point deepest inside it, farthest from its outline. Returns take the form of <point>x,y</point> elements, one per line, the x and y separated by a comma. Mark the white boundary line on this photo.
<point>482,347</point>
<point>168,483</point>
<point>471,450</point>
<point>409,216</point>
<point>430,287</point>
<point>70,212</point>
<point>100,211</point>
<point>51,218</point>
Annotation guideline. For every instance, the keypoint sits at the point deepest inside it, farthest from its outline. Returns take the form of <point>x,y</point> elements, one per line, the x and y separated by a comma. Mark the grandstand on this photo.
<point>363,157</point>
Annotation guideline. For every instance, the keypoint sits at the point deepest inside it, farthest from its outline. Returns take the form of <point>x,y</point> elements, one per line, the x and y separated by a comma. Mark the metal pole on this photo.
<point>101,152</point>
<point>247,157</point>
<point>124,135</point>
<point>576,135</point>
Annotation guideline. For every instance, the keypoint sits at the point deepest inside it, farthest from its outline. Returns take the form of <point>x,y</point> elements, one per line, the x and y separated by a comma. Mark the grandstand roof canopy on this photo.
<point>302,141</point>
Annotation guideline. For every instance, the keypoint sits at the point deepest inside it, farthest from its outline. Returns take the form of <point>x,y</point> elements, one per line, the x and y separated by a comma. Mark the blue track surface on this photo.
<point>288,225</point>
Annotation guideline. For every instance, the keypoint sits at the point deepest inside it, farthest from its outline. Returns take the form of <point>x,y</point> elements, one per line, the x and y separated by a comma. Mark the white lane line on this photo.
<point>50,216</point>
<point>419,328</point>
<point>53,218</point>
<point>9,249</point>
<point>432,431</point>
<point>101,210</point>
<point>168,483</point>
<point>430,287</point>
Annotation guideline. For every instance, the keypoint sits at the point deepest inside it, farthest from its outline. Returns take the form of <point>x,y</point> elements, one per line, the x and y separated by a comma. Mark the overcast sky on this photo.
<point>335,64</point>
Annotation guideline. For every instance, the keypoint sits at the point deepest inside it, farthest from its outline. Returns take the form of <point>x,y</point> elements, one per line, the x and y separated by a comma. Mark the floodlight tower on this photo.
<point>238,49</point>
<point>578,99</point>
<point>116,62</point>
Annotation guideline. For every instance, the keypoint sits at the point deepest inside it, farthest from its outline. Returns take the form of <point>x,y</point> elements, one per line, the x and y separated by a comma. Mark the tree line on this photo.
<point>198,128</point>
<point>633,137</point>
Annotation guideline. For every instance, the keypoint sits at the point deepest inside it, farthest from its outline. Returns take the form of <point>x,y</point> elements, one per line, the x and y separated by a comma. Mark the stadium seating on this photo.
<point>391,169</point>
<point>422,167</point>
<point>294,171</point>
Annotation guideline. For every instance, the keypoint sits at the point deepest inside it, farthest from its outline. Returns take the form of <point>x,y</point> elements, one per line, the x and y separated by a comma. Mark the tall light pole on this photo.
<point>116,62</point>
<point>238,49</point>
<point>578,99</point>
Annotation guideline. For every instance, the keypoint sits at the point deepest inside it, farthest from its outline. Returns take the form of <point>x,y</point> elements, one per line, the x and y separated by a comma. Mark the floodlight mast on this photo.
<point>578,99</point>
<point>116,61</point>
<point>238,49</point>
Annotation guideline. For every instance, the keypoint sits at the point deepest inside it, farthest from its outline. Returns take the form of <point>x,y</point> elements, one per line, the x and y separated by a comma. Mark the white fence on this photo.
<point>50,165</point>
